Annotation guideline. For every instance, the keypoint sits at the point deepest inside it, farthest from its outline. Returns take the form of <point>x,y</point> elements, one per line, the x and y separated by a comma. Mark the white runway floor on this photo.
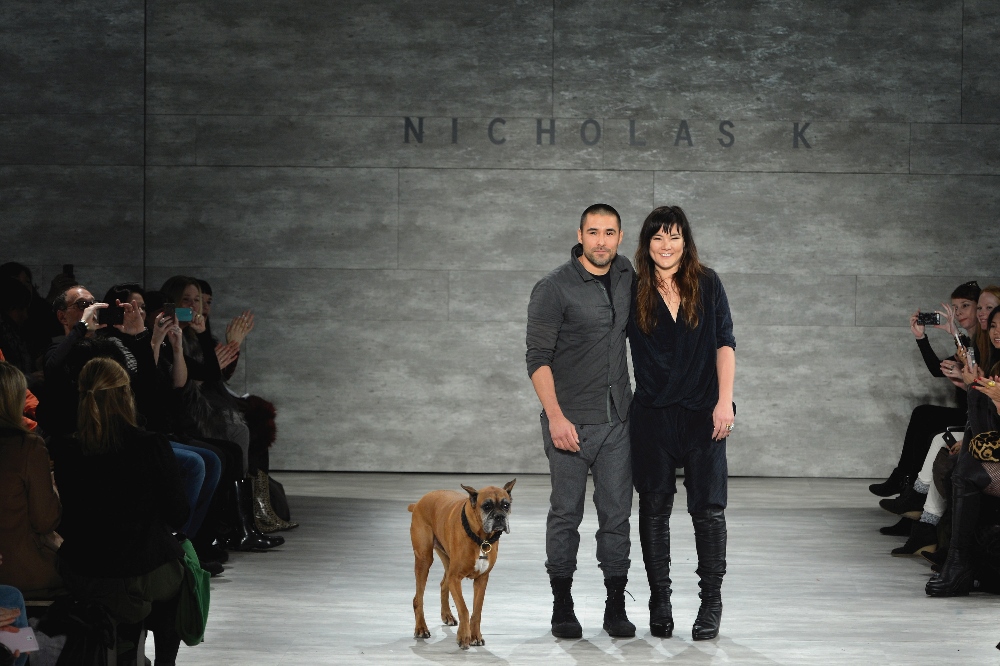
<point>810,581</point>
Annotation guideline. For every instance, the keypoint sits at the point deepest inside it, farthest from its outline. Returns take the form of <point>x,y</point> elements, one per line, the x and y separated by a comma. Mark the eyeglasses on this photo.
<point>81,304</point>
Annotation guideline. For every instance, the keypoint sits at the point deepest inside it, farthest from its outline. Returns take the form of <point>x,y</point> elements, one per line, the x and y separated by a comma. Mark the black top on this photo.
<point>675,365</point>
<point>577,328</point>
<point>933,364</point>
<point>119,507</point>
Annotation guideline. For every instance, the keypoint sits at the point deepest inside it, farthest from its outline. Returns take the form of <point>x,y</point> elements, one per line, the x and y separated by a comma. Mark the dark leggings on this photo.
<point>926,421</point>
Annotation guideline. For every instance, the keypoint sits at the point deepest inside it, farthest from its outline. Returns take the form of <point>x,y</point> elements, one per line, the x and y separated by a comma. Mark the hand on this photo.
<point>198,322</point>
<point>239,327</point>
<point>953,449</point>
<point>161,325</point>
<point>7,617</point>
<point>90,316</point>
<point>951,369</point>
<point>970,371</point>
<point>990,386</point>
<point>53,541</point>
<point>227,353</point>
<point>918,329</point>
<point>133,323</point>
<point>948,318</point>
<point>722,416</point>
<point>175,336</point>
<point>564,434</point>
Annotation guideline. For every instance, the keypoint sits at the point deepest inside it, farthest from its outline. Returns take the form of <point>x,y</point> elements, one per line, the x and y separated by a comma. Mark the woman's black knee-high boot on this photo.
<point>654,535</point>
<point>710,541</point>
<point>957,573</point>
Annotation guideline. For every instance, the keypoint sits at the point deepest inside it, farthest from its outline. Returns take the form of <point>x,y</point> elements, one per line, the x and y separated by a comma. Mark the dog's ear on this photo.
<point>509,486</point>
<point>473,493</point>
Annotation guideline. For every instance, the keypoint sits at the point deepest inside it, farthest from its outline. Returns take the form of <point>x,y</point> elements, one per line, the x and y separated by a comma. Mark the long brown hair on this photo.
<point>13,389</point>
<point>686,279</point>
<point>106,406</point>
<point>981,338</point>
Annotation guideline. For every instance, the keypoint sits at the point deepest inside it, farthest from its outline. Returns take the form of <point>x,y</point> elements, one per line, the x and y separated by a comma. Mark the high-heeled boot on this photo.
<point>264,515</point>
<point>654,535</point>
<point>957,574</point>
<point>710,542</point>
<point>248,537</point>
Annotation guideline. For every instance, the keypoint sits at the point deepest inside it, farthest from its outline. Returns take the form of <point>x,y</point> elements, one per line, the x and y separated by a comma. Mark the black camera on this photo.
<point>928,318</point>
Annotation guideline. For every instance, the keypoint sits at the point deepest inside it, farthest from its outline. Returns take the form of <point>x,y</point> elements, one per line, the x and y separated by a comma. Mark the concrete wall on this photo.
<point>264,147</point>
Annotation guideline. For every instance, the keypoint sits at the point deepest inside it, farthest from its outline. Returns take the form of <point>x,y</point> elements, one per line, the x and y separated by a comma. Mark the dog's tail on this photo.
<point>410,508</point>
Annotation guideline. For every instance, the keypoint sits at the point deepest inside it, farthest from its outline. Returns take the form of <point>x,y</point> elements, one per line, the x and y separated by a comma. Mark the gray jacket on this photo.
<point>578,330</point>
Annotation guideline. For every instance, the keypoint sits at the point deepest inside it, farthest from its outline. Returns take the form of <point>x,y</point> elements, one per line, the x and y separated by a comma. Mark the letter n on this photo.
<point>418,130</point>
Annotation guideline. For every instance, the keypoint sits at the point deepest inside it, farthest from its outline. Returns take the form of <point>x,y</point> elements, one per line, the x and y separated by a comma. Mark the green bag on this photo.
<point>192,606</point>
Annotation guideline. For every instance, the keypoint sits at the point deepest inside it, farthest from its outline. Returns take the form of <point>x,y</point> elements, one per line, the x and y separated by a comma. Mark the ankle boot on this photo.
<point>615,620</point>
<point>564,622</point>
<point>654,535</point>
<point>264,516</point>
<point>909,500</point>
<point>248,537</point>
<point>895,484</point>
<point>923,538</point>
<point>710,542</point>
<point>902,528</point>
<point>957,574</point>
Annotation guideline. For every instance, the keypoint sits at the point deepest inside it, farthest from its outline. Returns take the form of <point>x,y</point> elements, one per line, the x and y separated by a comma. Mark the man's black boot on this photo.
<point>615,620</point>
<point>564,622</point>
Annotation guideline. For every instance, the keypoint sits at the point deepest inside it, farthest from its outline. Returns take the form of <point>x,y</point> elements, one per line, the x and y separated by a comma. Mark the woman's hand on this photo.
<point>239,328</point>
<point>948,319</point>
<point>990,386</point>
<point>133,323</point>
<point>160,327</point>
<point>175,336</point>
<point>917,329</point>
<point>723,420</point>
<point>970,371</point>
<point>198,322</point>
<point>227,353</point>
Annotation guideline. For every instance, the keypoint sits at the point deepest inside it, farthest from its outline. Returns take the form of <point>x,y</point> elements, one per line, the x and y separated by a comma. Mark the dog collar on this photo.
<point>485,545</point>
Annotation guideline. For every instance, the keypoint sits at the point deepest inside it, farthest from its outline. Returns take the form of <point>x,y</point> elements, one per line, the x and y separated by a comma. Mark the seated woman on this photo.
<point>929,420</point>
<point>977,471</point>
<point>29,505</point>
<point>122,498</point>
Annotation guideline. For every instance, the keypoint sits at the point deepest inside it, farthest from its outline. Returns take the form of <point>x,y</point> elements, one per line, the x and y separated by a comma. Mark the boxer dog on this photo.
<point>465,532</point>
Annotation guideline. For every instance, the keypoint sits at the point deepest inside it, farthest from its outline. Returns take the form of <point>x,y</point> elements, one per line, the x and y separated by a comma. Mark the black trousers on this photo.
<point>926,421</point>
<point>664,439</point>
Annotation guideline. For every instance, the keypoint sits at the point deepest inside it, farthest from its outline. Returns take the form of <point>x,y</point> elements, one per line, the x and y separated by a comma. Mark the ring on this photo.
<point>729,426</point>
<point>991,383</point>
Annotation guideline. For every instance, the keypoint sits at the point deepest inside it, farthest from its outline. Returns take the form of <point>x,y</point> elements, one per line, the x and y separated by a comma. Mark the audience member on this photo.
<point>13,618</point>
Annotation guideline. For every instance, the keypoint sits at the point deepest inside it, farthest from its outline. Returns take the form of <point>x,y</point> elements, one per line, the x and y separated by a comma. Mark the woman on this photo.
<point>976,471</point>
<point>29,506</point>
<point>926,421</point>
<point>684,354</point>
<point>122,499</point>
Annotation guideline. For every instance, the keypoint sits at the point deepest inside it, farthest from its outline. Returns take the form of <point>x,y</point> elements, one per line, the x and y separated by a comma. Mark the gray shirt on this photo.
<point>576,328</point>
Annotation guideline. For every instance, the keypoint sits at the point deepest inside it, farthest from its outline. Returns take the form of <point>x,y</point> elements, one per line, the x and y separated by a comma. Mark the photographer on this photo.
<point>929,420</point>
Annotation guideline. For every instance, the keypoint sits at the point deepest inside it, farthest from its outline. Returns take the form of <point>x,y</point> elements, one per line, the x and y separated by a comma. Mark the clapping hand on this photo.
<point>239,328</point>
<point>989,386</point>
<point>227,353</point>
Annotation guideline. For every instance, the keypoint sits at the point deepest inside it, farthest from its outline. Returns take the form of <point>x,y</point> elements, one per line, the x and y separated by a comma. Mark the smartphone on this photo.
<point>949,438</point>
<point>928,318</point>
<point>111,315</point>
<point>168,309</point>
<point>970,356</point>
<point>184,314</point>
<point>23,640</point>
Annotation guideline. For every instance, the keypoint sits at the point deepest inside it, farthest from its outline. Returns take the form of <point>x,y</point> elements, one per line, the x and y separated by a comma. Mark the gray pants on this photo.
<point>604,451</point>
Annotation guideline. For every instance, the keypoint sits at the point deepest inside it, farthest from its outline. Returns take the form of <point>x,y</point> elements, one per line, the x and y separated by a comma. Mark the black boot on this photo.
<point>895,484</point>
<point>909,500</point>
<point>248,537</point>
<point>957,574</point>
<point>654,535</point>
<point>564,622</point>
<point>710,542</point>
<point>923,538</point>
<point>615,620</point>
<point>901,528</point>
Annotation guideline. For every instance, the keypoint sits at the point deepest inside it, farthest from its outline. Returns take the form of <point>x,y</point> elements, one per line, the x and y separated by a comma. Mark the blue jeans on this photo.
<point>204,468</point>
<point>10,597</point>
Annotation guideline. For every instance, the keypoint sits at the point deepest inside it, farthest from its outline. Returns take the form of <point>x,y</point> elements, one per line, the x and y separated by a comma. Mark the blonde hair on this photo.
<point>13,389</point>
<point>106,404</point>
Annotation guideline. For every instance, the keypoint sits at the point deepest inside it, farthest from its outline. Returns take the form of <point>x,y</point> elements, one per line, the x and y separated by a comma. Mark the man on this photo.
<point>576,361</point>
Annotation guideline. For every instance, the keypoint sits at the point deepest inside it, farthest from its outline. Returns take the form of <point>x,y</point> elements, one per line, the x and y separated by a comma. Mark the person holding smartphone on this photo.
<point>684,355</point>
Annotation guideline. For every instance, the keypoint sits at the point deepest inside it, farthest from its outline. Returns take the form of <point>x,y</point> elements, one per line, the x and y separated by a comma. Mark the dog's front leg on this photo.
<point>464,635</point>
<point>478,595</point>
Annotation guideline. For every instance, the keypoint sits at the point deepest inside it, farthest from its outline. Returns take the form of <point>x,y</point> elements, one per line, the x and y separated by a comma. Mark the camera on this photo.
<point>928,318</point>
<point>111,315</point>
<point>168,310</point>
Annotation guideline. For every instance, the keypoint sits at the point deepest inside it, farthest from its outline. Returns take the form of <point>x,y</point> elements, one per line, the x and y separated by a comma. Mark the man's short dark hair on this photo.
<point>600,209</point>
<point>59,302</point>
